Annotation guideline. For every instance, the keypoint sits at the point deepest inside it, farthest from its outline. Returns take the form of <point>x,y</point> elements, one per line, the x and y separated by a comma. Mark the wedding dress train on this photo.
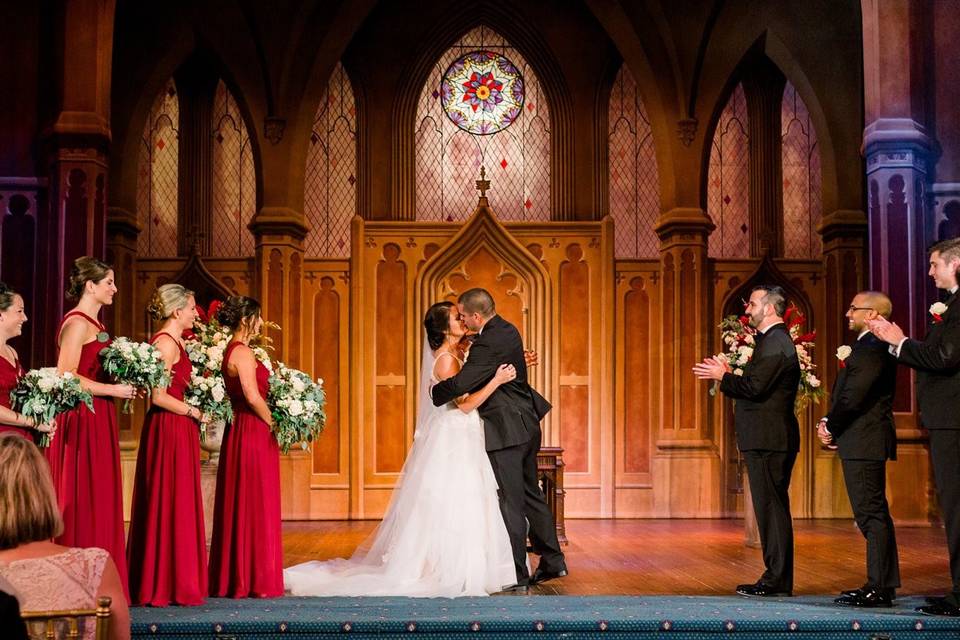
<point>443,534</point>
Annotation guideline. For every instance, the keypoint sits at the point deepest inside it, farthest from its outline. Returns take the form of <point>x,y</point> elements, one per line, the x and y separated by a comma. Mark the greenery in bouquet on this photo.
<point>42,394</point>
<point>739,339</point>
<point>138,364</point>
<point>297,405</point>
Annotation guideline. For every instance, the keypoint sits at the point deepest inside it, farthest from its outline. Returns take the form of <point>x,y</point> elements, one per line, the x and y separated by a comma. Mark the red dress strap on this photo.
<point>95,323</point>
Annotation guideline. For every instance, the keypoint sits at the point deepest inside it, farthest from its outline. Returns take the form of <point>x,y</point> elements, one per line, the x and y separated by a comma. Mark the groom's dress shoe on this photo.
<point>867,598</point>
<point>762,591</point>
<point>941,608</point>
<point>544,575</point>
<point>515,590</point>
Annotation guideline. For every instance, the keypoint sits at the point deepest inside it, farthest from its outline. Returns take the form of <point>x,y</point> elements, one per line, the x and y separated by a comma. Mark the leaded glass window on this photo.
<point>448,159</point>
<point>728,181</point>
<point>800,153</point>
<point>234,178</point>
<point>634,181</point>
<point>330,189</point>
<point>157,176</point>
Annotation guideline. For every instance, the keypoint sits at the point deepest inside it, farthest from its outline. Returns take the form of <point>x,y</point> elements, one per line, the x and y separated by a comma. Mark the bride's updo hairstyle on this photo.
<point>436,322</point>
<point>237,311</point>
<point>167,299</point>
<point>85,269</point>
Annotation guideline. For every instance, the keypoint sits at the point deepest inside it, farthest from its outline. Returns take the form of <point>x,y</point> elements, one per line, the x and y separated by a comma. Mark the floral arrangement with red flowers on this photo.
<point>740,340</point>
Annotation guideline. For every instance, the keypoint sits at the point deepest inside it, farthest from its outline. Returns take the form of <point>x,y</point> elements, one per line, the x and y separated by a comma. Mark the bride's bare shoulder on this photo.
<point>445,367</point>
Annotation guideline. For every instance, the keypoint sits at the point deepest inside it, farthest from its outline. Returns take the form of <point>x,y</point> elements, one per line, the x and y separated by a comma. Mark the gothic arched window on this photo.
<point>234,182</point>
<point>448,159</point>
<point>802,205</point>
<point>330,187</point>
<point>157,176</point>
<point>634,180</point>
<point>728,181</point>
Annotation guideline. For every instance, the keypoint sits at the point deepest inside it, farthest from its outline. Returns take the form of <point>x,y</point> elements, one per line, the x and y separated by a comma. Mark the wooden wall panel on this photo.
<point>637,379</point>
<point>574,330</point>
<point>326,365</point>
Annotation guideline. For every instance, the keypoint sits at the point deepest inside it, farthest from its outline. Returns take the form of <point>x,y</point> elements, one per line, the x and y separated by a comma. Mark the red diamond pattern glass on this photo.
<point>330,195</point>
<point>157,176</point>
<point>634,181</point>
<point>802,205</point>
<point>234,179</point>
<point>448,159</point>
<point>728,181</point>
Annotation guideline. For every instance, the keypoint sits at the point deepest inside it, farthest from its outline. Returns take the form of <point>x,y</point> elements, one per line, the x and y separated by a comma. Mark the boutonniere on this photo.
<point>843,352</point>
<point>937,309</point>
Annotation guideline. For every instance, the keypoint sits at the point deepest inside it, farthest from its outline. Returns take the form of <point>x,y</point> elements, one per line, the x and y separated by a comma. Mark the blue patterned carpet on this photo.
<point>681,617</point>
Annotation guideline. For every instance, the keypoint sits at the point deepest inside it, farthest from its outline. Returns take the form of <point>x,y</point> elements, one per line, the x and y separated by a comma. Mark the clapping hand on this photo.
<point>886,330</point>
<point>712,368</point>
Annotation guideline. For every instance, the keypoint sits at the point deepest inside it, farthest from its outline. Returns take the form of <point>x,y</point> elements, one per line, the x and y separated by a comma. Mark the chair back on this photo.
<point>60,625</point>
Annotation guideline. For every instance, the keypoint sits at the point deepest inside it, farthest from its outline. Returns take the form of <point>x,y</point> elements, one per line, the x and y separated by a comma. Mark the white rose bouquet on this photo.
<point>138,364</point>
<point>42,394</point>
<point>207,390</point>
<point>297,405</point>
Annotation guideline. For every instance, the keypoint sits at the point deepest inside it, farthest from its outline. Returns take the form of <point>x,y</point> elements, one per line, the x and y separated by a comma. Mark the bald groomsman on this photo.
<point>936,360</point>
<point>860,424</point>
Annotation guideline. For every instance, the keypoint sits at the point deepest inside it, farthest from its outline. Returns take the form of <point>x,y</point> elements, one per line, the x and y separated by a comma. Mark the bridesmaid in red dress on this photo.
<point>85,454</point>
<point>246,556</point>
<point>167,548</point>
<point>12,318</point>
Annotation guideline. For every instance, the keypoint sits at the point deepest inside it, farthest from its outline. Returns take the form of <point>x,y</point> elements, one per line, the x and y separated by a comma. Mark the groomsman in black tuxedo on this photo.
<point>936,360</point>
<point>767,432</point>
<point>860,424</point>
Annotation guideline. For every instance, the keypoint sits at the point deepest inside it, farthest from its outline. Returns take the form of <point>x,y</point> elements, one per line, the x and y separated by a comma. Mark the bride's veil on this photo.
<point>372,550</point>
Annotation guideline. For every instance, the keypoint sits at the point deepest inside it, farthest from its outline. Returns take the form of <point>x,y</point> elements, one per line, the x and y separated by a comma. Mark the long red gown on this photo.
<point>9,377</point>
<point>167,548</point>
<point>84,459</point>
<point>246,554</point>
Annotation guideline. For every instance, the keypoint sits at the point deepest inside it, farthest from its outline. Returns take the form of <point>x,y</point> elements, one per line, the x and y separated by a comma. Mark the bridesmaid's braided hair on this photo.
<point>167,299</point>
<point>436,322</point>
<point>6,296</point>
<point>237,309</point>
<point>84,269</point>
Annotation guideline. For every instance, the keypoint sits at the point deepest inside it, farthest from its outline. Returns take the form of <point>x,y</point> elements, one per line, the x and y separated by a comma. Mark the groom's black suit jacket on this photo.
<point>936,360</point>
<point>861,405</point>
<point>510,415</point>
<point>765,393</point>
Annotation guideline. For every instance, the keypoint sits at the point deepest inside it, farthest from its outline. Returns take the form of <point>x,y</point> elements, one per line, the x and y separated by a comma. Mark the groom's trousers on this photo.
<point>522,502</point>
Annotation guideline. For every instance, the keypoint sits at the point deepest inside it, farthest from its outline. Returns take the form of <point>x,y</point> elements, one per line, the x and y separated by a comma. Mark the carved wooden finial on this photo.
<point>483,184</point>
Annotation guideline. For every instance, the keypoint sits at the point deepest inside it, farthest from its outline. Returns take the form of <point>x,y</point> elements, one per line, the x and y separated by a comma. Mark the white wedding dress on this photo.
<point>443,534</point>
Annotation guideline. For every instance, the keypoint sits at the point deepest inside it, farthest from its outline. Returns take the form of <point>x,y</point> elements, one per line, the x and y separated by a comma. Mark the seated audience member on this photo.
<point>10,620</point>
<point>42,575</point>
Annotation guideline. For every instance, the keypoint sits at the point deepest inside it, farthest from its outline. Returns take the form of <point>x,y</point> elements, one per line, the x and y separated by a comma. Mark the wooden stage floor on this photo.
<point>688,557</point>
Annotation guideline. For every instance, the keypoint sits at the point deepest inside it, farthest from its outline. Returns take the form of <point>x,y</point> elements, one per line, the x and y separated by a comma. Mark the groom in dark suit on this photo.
<point>860,424</point>
<point>768,435</point>
<point>511,420</point>
<point>936,359</point>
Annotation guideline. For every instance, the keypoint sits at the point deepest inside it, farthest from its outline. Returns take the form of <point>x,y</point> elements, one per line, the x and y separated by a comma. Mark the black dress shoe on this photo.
<point>852,592</point>
<point>868,598</point>
<point>514,590</point>
<point>762,591</point>
<point>942,608</point>
<point>542,575</point>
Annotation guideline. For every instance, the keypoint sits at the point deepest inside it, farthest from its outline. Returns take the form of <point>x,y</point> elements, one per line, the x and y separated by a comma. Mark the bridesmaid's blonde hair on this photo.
<point>167,299</point>
<point>28,505</point>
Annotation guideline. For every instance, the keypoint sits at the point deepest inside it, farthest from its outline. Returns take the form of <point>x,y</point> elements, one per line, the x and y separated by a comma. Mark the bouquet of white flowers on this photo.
<point>297,405</point>
<point>42,394</point>
<point>207,390</point>
<point>138,364</point>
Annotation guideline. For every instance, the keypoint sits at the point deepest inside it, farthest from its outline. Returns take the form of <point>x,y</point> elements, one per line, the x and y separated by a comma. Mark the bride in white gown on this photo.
<point>443,534</point>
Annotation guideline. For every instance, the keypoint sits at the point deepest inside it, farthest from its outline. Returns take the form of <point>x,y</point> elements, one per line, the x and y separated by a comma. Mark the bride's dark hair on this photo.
<point>436,322</point>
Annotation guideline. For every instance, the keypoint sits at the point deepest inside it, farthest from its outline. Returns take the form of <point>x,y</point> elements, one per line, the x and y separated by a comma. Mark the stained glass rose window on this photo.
<point>482,92</point>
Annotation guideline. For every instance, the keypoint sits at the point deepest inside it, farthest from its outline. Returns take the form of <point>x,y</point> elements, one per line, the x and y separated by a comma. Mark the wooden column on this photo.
<point>763,88</point>
<point>686,465</point>
<point>196,85</point>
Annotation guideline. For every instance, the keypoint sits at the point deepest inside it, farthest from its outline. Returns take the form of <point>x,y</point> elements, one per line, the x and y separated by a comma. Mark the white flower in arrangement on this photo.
<point>745,351</point>
<point>813,381</point>
<point>843,352</point>
<point>138,364</point>
<point>44,393</point>
<point>738,372</point>
<point>46,383</point>
<point>298,385</point>
<point>296,408</point>
<point>938,308</point>
<point>218,392</point>
<point>319,382</point>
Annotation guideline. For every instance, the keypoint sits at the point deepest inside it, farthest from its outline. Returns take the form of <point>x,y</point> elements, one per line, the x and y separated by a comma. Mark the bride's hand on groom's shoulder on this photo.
<point>505,373</point>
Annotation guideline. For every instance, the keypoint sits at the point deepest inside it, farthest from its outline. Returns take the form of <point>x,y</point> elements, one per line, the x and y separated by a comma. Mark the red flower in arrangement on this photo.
<point>188,334</point>
<point>937,318</point>
<point>201,314</point>
<point>482,91</point>
<point>213,308</point>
